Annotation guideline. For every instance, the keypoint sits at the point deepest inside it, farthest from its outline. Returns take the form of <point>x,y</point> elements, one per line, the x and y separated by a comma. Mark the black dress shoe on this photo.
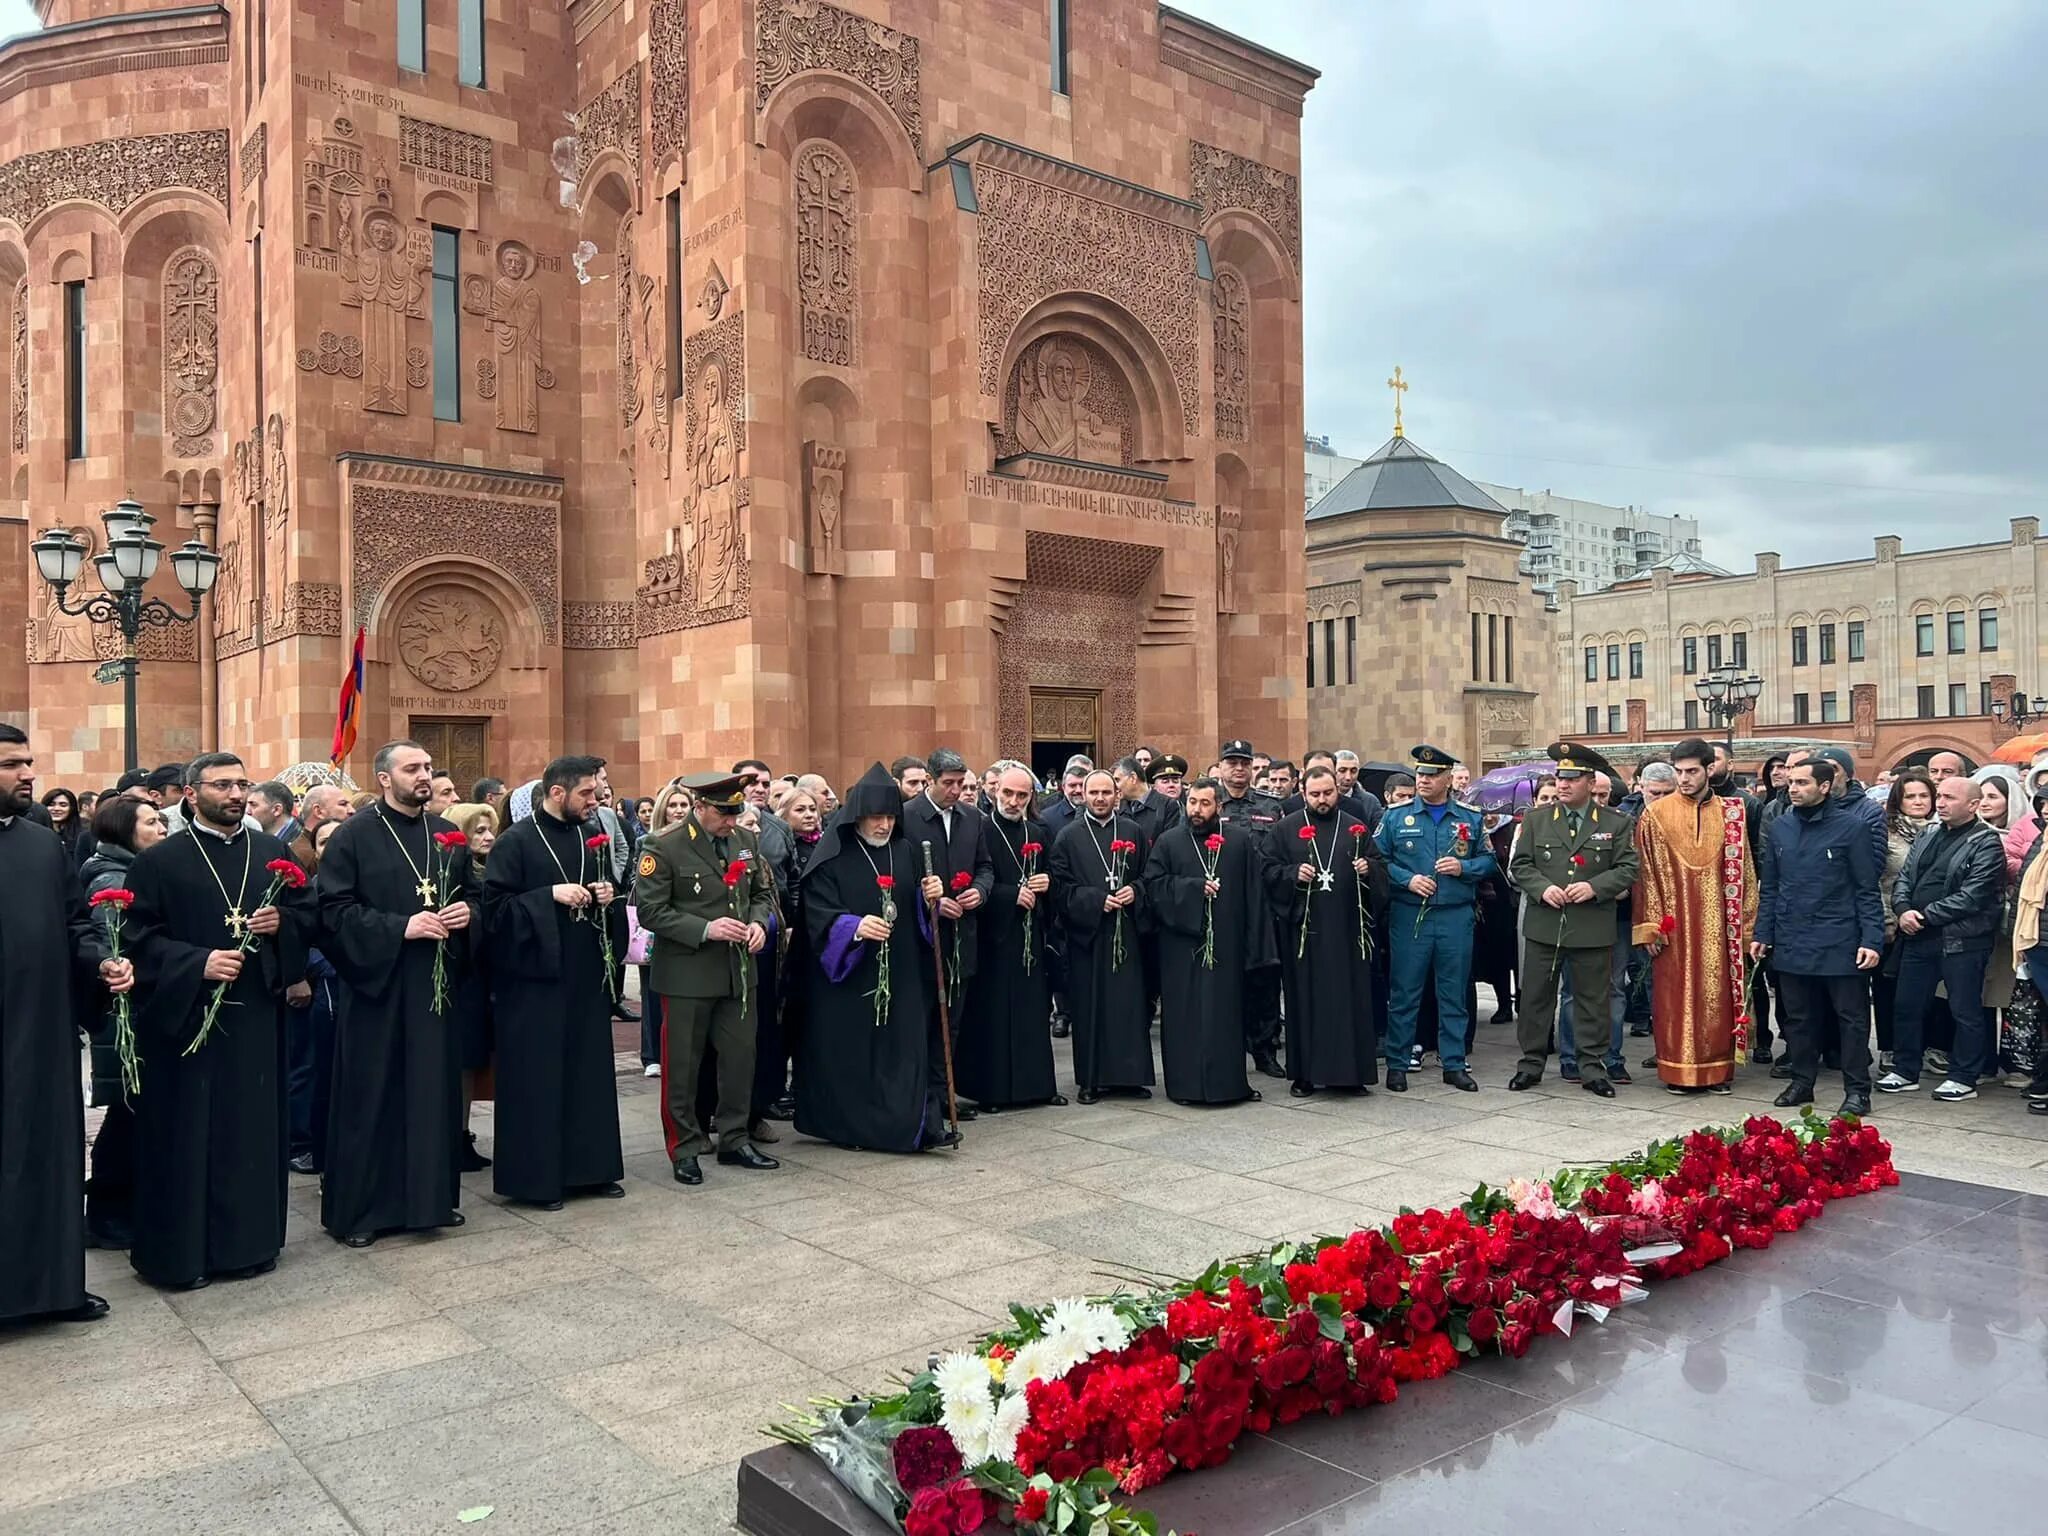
<point>1598,1085</point>
<point>545,1205</point>
<point>1301,1091</point>
<point>1505,1016</point>
<point>199,1283</point>
<point>625,1011</point>
<point>1461,1080</point>
<point>1795,1094</point>
<point>303,1163</point>
<point>1858,1104</point>
<point>90,1310</point>
<point>951,1138</point>
<point>1619,1076</point>
<point>612,1191</point>
<point>248,1271</point>
<point>1057,1101</point>
<point>469,1160</point>
<point>1782,1070</point>
<point>1269,1064</point>
<point>748,1156</point>
<point>456,1219</point>
<point>359,1240</point>
<point>1639,1031</point>
<point>1761,1055</point>
<point>1397,1080</point>
<point>966,1112</point>
<point>1522,1082</point>
<point>1141,1093</point>
<point>990,1109</point>
<point>2034,1107</point>
<point>783,1108</point>
<point>687,1171</point>
<point>1254,1097</point>
<point>1061,1028</point>
<point>1088,1096</point>
<point>109,1232</point>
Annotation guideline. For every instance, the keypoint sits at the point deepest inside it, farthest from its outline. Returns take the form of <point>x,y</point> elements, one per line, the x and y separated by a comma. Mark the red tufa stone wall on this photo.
<point>791,534</point>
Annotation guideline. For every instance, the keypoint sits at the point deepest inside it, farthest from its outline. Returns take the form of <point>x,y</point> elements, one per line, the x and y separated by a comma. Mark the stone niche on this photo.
<point>1066,399</point>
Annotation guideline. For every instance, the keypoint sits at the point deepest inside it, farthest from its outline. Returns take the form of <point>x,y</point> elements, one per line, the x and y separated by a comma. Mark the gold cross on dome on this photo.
<point>426,890</point>
<point>1399,386</point>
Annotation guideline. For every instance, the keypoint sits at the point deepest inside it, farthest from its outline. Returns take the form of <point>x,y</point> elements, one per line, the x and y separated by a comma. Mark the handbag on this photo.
<point>639,941</point>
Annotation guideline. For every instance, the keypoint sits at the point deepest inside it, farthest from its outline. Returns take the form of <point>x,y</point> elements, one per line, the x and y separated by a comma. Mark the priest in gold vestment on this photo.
<point>1695,906</point>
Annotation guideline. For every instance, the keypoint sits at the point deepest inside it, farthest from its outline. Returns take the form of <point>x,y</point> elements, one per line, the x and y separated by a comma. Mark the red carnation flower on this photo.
<point>598,840</point>
<point>1307,833</point>
<point>1358,829</point>
<point>450,841</point>
<point>286,872</point>
<point>735,872</point>
<point>1667,924</point>
<point>1578,861</point>
<point>113,896</point>
<point>886,882</point>
<point>1030,850</point>
<point>925,1456</point>
<point>1213,842</point>
<point>962,880</point>
<point>1463,830</point>
<point>1032,1505</point>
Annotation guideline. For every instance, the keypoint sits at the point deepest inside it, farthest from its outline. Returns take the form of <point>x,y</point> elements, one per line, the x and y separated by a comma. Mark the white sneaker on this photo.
<point>652,1069</point>
<point>1891,1082</point>
<point>1953,1092</point>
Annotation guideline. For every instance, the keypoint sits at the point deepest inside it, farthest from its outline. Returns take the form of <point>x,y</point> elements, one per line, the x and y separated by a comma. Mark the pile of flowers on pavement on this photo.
<point>1046,1425</point>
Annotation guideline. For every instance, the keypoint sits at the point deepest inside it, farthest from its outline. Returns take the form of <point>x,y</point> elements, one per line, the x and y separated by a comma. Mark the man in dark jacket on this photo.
<point>1949,899</point>
<point>1819,918</point>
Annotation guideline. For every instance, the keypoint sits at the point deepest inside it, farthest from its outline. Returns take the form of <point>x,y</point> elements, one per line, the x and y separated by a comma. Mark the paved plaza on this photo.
<point>603,1368</point>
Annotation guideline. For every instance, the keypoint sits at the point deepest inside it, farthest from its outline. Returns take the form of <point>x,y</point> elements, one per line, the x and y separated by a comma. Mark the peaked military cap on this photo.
<point>1574,758</point>
<point>1428,759</point>
<point>1235,749</point>
<point>1170,766</point>
<point>719,791</point>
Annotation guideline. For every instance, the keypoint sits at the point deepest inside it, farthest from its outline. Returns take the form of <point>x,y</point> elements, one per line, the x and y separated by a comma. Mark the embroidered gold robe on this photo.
<point>1696,872</point>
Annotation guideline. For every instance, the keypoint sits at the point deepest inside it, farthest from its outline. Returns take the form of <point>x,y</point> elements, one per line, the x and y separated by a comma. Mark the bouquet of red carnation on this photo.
<point>962,879</point>
<point>1120,850</point>
<point>1029,854</point>
<point>1213,844</point>
<point>117,900</point>
<point>283,872</point>
<point>735,875</point>
<point>447,842</point>
<point>1364,929</point>
<point>1308,835</point>
<point>600,843</point>
<point>887,885</point>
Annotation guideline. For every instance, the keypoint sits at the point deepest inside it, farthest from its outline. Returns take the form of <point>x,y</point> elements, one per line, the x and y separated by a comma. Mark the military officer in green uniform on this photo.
<point>1574,861</point>
<point>707,895</point>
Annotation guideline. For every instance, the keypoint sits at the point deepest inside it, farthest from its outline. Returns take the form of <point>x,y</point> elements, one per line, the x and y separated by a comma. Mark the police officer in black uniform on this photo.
<point>1170,767</point>
<point>1258,813</point>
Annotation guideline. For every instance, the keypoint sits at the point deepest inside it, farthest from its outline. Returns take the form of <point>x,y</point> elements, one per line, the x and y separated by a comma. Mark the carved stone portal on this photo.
<point>795,36</point>
<point>451,638</point>
<point>510,305</point>
<point>824,498</point>
<point>191,351</point>
<point>827,275</point>
<point>1067,399</point>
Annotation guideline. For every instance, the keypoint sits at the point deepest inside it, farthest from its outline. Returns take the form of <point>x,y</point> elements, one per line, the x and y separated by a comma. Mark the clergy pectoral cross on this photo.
<point>1110,881</point>
<point>426,890</point>
<point>237,924</point>
<point>1327,880</point>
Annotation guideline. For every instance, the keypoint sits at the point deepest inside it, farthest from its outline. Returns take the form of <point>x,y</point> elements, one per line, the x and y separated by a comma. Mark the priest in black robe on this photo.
<point>1105,979</point>
<point>864,1071</point>
<point>1005,1057</point>
<point>389,895</point>
<point>545,890</point>
<point>211,1126</point>
<point>1321,870</point>
<point>50,955</point>
<point>1203,883</point>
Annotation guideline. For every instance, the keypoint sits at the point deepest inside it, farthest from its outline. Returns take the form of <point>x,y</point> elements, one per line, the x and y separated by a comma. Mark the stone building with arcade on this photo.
<point>667,380</point>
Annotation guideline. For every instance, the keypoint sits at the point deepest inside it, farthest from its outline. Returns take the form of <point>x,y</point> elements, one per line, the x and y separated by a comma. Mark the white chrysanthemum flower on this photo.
<point>969,1422</point>
<point>1070,1315</point>
<point>1012,1414</point>
<point>1106,1330</point>
<point>1036,1361</point>
<point>960,1377</point>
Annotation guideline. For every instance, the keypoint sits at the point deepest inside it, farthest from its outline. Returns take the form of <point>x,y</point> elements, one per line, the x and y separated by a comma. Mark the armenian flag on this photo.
<point>351,703</point>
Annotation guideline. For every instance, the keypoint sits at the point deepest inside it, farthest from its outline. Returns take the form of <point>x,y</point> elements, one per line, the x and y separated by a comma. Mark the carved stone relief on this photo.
<point>597,627</point>
<point>668,64</point>
<point>388,290</point>
<point>1066,398</point>
<point>255,156</point>
<point>711,298</point>
<point>793,36</point>
<point>54,635</point>
<point>114,172</point>
<point>1071,627</point>
<point>1037,240</point>
<point>705,578</point>
<point>1218,178</point>
<point>628,365</point>
<point>1229,524</point>
<point>444,151</point>
<point>342,355</point>
<point>310,608</point>
<point>450,638</point>
<point>17,371</point>
<point>827,275</point>
<point>610,120</point>
<point>277,509</point>
<point>652,347</point>
<point>824,499</point>
<point>230,588</point>
<point>332,193</point>
<point>191,351</point>
<point>510,306</point>
<point>1230,309</point>
<point>386,523</point>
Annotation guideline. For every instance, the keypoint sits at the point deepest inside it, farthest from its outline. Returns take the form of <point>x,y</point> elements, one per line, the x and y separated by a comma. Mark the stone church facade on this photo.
<point>671,381</point>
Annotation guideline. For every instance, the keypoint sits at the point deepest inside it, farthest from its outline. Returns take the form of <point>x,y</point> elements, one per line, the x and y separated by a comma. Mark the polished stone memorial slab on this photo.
<point>1883,1372</point>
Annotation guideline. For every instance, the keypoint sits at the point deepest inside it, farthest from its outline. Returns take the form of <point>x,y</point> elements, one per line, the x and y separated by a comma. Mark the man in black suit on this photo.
<point>960,857</point>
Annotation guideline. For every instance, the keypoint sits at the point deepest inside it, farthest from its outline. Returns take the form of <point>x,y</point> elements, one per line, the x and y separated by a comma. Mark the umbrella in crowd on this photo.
<point>2022,750</point>
<point>1512,787</point>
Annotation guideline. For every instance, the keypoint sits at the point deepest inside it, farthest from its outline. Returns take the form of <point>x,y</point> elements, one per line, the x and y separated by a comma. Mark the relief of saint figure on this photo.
<point>717,553</point>
<point>388,289</point>
<point>1053,416</point>
<point>514,317</point>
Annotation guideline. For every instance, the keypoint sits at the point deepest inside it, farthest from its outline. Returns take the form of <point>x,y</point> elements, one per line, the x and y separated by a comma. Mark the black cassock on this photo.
<point>211,1127</point>
<point>860,1084</point>
<point>1202,1008</point>
<point>558,1103</point>
<point>49,957</point>
<point>1005,1054</point>
<point>1330,1036</point>
<point>1112,1025</point>
<point>396,1121</point>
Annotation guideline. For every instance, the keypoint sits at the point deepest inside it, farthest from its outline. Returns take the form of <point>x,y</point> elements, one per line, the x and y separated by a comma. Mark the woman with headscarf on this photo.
<point>869,1072</point>
<point>1909,811</point>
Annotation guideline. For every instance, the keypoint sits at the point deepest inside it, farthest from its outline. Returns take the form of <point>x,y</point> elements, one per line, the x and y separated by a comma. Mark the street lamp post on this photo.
<point>1728,695</point>
<point>130,561</point>
<point>2018,713</point>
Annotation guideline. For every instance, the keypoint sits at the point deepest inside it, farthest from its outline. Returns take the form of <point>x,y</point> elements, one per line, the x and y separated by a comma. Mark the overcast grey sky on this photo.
<point>1739,260</point>
<point>1759,252</point>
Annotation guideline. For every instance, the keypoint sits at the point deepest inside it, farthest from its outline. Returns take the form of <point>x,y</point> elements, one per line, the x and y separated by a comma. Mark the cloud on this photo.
<point>1779,268</point>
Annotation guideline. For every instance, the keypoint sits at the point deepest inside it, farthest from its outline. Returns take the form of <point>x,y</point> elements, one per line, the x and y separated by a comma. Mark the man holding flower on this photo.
<point>218,929</point>
<point>547,896</point>
<point>1005,1056</point>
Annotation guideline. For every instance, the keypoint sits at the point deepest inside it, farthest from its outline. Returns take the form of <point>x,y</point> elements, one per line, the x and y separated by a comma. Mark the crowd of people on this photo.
<point>323,983</point>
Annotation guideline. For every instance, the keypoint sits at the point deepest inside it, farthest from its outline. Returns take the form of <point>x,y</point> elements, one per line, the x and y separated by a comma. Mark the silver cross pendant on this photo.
<point>1327,880</point>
